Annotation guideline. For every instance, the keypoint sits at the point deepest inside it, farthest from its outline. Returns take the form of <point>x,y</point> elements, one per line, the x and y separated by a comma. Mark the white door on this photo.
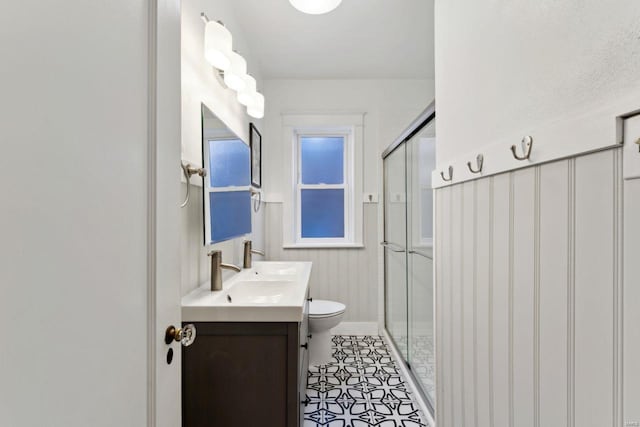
<point>88,219</point>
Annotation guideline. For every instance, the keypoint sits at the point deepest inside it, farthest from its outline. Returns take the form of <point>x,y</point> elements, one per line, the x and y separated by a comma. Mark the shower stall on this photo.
<point>408,249</point>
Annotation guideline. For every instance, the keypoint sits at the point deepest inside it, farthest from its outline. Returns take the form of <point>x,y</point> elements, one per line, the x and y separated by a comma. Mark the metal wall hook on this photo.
<point>527,143</point>
<point>187,171</point>
<point>479,162</point>
<point>450,174</point>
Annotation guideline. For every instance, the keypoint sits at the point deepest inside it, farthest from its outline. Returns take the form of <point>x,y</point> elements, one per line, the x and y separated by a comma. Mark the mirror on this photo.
<point>226,190</point>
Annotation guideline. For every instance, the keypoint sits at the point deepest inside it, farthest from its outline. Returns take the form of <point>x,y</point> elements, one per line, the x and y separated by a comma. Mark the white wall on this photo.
<point>200,85</point>
<point>509,68</point>
<point>347,275</point>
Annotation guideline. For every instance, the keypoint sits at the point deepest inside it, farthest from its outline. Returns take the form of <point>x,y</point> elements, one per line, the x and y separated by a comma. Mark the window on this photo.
<point>323,206</point>
<point>322,192</point>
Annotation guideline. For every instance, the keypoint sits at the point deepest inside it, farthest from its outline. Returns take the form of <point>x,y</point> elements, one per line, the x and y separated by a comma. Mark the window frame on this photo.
<point>347,184</point>
<point>323,123</point>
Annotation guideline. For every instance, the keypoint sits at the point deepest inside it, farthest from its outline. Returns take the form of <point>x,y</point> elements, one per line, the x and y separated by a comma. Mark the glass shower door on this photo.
<point>420,164</point>
<point>395,242</point>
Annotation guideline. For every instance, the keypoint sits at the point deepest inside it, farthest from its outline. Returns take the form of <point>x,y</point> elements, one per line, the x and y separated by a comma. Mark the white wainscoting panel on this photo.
<point>556,283</point>
<point>346,275</point>
<point>468,297</point>
<point>528,284</point>
<point>631,339</point>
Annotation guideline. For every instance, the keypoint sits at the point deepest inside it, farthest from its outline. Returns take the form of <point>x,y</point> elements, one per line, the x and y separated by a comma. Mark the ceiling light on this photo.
<point>256,108</point>
<point>247,95</point>
<point>315,7</point>
<point>217,45</point>
<point>234,76</point>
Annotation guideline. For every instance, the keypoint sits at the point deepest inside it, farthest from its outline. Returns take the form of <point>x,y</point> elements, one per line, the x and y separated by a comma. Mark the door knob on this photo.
<point>185,336</point>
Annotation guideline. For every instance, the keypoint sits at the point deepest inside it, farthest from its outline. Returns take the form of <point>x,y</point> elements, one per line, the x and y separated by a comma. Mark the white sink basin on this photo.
<point>268,292</point>
<point>261,292</point>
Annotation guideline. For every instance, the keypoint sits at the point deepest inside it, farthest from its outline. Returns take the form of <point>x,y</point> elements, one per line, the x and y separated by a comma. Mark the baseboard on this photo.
<point>356,328</point>
<point>409,378</point>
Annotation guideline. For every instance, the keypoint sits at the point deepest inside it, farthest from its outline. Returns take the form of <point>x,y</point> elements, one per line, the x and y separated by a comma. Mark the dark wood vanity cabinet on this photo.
<point>244,374</point>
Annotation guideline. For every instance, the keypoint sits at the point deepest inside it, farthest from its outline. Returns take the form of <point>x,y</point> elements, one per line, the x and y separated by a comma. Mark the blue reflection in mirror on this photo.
<point>230,214</point>
<point>229,161</point>
<point>227,199</point>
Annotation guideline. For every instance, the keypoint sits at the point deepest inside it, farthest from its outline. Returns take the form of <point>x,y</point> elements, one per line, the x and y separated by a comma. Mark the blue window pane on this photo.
<point>322,213</point>
<point>230,214</point>
<point>229,163</point>
<point>322,160</point>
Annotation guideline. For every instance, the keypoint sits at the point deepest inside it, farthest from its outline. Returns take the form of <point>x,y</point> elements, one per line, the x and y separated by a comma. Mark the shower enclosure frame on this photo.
<point>424,119</point>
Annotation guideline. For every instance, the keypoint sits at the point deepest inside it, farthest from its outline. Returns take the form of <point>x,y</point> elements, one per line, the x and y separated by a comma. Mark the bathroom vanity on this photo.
<point>248,365</point>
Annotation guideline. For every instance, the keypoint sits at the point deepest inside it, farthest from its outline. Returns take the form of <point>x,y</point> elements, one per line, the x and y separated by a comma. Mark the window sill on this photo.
<point>323,246</point>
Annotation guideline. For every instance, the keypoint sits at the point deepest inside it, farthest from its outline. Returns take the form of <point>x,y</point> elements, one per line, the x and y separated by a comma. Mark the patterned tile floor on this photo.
<point>360,387</point>
<point>422,360</point>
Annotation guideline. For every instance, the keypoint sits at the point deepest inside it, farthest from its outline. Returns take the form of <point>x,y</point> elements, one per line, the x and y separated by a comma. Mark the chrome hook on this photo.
<point>527,143</point>
<point>450,174</point>
<point>479,162</point>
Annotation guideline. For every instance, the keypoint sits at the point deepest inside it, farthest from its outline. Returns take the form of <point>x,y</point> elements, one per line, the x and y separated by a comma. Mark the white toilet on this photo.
<point>323,315</point>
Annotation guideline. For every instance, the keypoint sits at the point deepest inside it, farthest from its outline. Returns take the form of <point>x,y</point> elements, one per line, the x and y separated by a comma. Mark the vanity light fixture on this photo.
<point>217,45</point>
<point>256,108</point>
<point>235,75</point>
<point>315,7</point>
<point>246,96</point>
<point>231,66</point>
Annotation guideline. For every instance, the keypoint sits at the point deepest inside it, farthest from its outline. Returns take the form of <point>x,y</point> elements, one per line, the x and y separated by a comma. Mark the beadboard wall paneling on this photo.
<point>468,297</point>
<point>347,275</point>
<point>556,216</point>
<point>528,280</point>
<point>631,291</point>
<point>482,260</point>
<point>631,299</point>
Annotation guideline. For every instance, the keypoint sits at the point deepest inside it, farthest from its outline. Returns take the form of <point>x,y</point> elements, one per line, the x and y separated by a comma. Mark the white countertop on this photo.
<point>270,291</point>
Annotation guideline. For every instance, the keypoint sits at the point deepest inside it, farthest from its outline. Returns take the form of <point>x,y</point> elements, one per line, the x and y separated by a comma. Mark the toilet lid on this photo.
<point>323,308</point>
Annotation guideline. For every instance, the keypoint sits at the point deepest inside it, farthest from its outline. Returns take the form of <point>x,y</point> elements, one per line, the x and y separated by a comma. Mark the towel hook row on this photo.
<point>527,145</point>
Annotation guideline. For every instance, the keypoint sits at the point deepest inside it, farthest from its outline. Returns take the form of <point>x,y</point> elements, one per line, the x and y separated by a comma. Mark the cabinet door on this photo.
<point>241,375</point>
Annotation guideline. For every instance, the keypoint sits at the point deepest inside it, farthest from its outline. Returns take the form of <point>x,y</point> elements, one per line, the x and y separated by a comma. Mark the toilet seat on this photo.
<point>319,309</point>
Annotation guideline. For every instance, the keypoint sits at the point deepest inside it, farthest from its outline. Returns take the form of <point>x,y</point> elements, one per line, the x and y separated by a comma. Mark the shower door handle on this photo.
<point>422,254</point>
<point>393,247</point>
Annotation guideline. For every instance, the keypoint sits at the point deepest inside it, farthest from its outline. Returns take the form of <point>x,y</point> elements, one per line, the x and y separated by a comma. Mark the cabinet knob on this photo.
<point>305,345</point>
<point>185,336</point>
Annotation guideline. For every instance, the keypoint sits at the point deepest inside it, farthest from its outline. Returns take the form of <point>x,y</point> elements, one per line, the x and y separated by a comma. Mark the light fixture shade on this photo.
<point>315,7</point>
<point>234,76</point>
<point>217,45</point>
<point>247,95</point>
<point>256,108</point>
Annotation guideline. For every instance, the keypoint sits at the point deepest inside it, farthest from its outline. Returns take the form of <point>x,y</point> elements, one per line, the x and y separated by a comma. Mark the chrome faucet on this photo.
<point>216,269</point>
<point>247,253</point>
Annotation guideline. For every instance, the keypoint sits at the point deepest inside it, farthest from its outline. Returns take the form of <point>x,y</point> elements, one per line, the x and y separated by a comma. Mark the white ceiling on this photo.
<point>360,39</point>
